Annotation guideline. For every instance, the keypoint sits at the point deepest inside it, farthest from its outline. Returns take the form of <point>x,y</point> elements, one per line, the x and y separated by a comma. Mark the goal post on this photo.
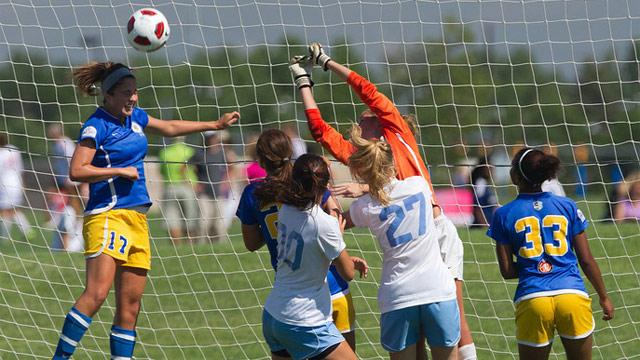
<point>483,79</point>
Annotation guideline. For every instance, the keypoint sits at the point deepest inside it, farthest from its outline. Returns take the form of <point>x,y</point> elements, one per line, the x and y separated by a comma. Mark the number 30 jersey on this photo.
<point>308,241</point>
<point>540,228</point>
<point>413,272</point>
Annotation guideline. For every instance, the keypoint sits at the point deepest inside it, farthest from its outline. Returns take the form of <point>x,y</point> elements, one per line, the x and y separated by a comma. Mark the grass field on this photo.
<point>204,302</point>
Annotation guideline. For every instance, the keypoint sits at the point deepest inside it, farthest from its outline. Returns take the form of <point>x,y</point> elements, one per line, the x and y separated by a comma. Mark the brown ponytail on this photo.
<point>274,151</point>
<point>372,162</point>
<point>86,76</point>
<point>309,180</point>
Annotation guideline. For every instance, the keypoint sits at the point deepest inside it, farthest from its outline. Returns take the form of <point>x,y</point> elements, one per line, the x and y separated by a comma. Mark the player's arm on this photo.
<point>592,272</point>
<point>345,265</point>
<point>618,212</point>
<point>252,237</point>
<point>321,132</point>
<point>81,170</point>
<point>387,113</point>
<point>508,268</point>
<point>183,127</point>
<point>350,190</point>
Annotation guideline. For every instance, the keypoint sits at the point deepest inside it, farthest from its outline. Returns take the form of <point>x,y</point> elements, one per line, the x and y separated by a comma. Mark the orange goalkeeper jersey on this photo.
<point>394,130</point>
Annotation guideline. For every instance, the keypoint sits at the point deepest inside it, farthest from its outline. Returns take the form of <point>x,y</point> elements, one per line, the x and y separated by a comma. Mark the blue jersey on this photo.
<point>117,145</point>
<point>250,213</point>
<point>540,228</point>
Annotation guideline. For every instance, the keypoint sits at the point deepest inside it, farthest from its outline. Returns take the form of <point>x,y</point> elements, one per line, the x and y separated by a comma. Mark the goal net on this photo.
<point>483,78</point>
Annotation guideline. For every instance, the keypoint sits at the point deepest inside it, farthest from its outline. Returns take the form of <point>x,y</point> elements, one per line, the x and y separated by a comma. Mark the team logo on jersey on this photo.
<point>537,205</point>
<point>89,132</point>
<point>136,128</point>
<point>544,266</point>
<point>581,216</point>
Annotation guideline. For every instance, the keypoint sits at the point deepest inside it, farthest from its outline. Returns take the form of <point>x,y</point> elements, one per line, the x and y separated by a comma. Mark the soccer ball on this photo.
<point>147,30</point>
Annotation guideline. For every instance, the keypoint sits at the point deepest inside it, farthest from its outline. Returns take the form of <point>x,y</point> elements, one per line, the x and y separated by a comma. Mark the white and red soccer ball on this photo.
<point>147,30</point>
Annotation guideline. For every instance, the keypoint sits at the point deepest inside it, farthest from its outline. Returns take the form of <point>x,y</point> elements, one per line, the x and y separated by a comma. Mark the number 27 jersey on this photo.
<point>413,272</point>
<point>540,228</point>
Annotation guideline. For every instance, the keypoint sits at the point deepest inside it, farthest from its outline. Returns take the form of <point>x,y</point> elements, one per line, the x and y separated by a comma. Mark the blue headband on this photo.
<point>114,77</point>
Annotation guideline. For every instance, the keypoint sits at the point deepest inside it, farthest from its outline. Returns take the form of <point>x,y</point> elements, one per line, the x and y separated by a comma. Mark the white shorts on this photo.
<point>451,248</point>
<point>10,198</point>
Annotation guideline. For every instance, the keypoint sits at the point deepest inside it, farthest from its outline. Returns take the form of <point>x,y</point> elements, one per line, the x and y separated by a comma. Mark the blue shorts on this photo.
<point>439,322</point>
<point>301,342</point>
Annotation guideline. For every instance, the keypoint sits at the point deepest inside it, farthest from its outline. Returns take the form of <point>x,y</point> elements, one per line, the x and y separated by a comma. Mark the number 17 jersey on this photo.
<point>413,272</point>
<point>540,228</point>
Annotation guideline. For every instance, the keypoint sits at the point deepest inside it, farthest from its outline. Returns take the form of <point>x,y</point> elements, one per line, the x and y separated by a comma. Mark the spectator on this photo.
<point>63,218</point>
<point>485,202</point>
<point>11,190</point>
<point>581,153</point>
<point>179,204</point>
<point>299,146</point>
<point>214,178</point>
<point>253,170</point>
<point>62,149</point>
<point>627,203</point>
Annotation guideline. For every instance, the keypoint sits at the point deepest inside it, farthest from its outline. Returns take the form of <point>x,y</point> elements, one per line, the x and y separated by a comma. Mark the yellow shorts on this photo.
<point>343,313</point>
<point>122,234</point>
<point>537,319</point>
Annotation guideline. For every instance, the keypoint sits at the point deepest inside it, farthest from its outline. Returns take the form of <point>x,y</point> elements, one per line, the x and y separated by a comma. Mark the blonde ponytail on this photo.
<point>372,162</point>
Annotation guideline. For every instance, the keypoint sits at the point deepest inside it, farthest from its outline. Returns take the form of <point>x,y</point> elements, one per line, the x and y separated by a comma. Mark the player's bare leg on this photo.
<point>578,349</point>
<point>350,338</point>
<point>444,353</point>
<point>130,283</point>
<point>533,353</point>
<point>465,331</point>
<point>342,352</point>
<point>100,272</point>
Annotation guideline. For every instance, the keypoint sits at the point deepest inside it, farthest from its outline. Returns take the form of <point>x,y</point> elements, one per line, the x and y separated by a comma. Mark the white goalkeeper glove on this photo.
<point>318,56</point>
<point>300,68</point>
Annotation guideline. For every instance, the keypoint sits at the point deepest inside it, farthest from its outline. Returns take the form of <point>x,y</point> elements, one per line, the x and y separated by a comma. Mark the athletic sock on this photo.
<point>122,342</point>
<point>75,325</point>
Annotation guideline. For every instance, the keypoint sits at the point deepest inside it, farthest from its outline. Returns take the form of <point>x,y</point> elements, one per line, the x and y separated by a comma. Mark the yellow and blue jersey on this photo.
<point>540,227</point>
<point>250,213</point>
<point>117,145</point>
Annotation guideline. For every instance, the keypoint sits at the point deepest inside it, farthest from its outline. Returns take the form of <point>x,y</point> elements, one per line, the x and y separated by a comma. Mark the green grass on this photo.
<point>204,302</point>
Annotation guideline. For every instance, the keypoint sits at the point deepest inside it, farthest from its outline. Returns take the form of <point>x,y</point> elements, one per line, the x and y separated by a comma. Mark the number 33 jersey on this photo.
<point>413,272</point>
<point>540,228</point>
<point>308,241</point>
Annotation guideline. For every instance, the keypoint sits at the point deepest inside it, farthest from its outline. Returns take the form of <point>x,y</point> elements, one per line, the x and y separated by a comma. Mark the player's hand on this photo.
<point>227,120</point>
<point>300,68</point>
<point>130,173</point>
<point>360,265</point>
<point>318,56</point>
<point>607,308</point>
<point>349,190</point>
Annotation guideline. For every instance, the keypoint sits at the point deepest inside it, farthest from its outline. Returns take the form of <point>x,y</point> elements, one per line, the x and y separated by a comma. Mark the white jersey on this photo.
<point>11,174</point>
<point>553,186</point>
<point>413,272</point>
<point>307,243</point>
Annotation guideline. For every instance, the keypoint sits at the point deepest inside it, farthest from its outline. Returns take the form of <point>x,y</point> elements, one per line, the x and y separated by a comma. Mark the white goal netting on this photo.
<point>482,77</point>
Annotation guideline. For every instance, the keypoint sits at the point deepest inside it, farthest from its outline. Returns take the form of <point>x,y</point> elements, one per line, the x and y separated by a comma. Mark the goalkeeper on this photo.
<point>110,153</point>
<point>382,120</point>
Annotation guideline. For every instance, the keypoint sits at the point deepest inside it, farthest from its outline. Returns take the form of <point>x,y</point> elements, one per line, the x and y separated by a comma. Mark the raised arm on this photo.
<point>172,128</point>
<point>387,113</point>
<point>322,132</point>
